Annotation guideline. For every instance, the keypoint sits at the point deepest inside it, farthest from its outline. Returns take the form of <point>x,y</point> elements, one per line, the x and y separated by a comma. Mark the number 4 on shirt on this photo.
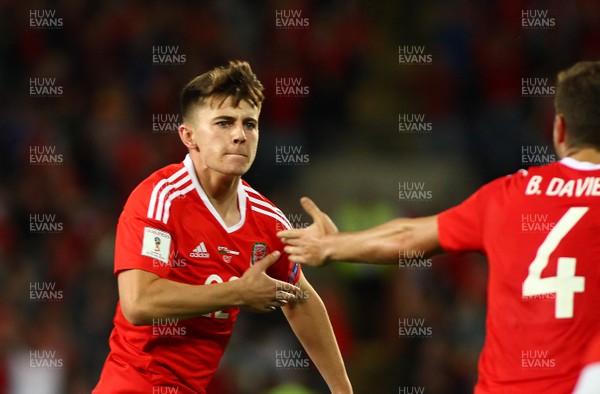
<point>565,284</point>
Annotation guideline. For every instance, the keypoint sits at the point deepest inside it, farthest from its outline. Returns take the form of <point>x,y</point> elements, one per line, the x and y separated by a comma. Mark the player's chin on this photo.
<point>232,169</point>
<point>237,171</point>
<point>237,166</point>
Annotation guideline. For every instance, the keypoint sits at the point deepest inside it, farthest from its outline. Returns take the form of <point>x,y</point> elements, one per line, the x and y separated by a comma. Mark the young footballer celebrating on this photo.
<point>544,285</point>
<point>195,242</point>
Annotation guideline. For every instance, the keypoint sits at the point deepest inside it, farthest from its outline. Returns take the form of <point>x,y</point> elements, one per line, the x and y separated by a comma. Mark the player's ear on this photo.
<point>559,136</point>
<point>559,131</point>
<point>187,136</point>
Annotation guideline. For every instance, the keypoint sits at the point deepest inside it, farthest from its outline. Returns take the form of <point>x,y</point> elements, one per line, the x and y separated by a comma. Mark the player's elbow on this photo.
<point>136,295</point>
<point>419,237</point>
<point>135,312</point>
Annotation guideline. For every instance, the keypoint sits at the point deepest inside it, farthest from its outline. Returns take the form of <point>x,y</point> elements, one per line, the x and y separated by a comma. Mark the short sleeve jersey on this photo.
<point>540,230</point>
<point>169,227</point>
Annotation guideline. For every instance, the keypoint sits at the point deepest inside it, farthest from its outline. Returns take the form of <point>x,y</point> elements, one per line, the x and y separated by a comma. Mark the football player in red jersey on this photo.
<point>195,242</point>
<point>544,285</point>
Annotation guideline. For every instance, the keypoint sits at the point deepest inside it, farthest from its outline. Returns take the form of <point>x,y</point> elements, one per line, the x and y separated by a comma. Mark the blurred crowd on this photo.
<point>101,125</point>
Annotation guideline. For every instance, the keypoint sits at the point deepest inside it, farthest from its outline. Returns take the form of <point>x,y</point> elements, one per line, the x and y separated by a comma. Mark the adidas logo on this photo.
<point>200,252</point>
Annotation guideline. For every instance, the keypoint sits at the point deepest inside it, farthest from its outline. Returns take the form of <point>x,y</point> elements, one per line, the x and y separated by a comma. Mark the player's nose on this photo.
<point>238,133</point>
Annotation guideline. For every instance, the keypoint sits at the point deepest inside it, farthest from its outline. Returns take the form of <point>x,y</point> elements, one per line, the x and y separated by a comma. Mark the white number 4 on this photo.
<point>565,284</point>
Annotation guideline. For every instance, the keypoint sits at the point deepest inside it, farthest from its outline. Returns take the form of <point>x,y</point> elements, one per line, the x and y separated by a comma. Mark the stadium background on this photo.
<point>339,141</point>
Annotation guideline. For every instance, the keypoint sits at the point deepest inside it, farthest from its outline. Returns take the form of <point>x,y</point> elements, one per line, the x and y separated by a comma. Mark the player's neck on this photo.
<point>584,154</point>
<point>221,190</point>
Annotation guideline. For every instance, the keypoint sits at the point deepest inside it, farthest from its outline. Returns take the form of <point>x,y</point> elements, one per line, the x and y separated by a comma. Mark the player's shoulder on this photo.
<point>546,169</point>
<point>507,186</point>
<point>261,205</point>
<point>523,175</point>
<point>566,167</point>
<point>519,181</point>
<point>254,194</point>
<point>155,194</point>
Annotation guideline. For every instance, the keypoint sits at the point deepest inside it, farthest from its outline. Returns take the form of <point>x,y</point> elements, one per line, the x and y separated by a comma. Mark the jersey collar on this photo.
<point>189,165</point>
<point>579,165</point>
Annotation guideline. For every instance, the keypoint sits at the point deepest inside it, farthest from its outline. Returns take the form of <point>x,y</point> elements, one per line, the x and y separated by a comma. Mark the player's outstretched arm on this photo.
<point>145,296</point>
<point>310,322</point>
<point>378,245</point>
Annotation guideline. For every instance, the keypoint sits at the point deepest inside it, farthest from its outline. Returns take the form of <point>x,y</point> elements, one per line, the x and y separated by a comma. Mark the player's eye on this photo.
<point>223,123</point>
<point>250,125</point>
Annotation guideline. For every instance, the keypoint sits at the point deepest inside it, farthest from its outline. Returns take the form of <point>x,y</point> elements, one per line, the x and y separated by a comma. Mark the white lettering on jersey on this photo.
<point>589,186</point>
<point>214,278</point>
<point>565,284</point>
<point>533,187</point>
<point>559,187</point>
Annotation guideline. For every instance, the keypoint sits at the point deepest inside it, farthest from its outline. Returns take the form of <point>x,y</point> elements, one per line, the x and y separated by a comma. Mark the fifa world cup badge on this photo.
<point>259,252</point>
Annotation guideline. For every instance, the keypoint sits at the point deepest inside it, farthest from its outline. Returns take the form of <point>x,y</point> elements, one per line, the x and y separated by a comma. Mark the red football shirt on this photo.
<point>169,227</point>
<point>540,230</point>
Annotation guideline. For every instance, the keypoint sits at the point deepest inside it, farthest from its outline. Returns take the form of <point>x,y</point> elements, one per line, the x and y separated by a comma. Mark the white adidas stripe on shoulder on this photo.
<point>285,222</point>
<point>262,200</point>
<point>157,188</point>
<point>165,191</point>
<point>264,203</point>
<point>172,196</point>
<point>166,195</point>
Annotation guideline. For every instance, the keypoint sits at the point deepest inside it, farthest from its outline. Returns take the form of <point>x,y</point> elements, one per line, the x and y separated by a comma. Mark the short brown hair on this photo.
<point>578,100</point>
<point>236,80</point>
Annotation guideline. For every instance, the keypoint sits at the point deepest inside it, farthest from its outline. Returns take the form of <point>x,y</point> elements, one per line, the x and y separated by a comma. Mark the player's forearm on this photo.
<point>383,244</point>
<point>360,247</point>
<point>310,323</point>
<point>162,298</point>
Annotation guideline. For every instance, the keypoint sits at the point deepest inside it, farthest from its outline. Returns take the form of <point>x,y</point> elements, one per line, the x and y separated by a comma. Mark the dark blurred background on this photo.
<point>87,112</point>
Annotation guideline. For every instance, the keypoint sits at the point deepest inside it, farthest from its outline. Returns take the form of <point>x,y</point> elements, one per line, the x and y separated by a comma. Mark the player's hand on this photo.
<point>305,245</point>
<point>260,292</point>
